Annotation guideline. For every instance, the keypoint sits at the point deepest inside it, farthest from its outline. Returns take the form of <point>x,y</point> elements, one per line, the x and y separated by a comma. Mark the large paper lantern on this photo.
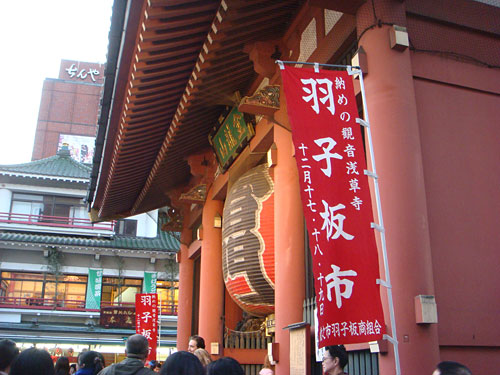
<point>248,242</point>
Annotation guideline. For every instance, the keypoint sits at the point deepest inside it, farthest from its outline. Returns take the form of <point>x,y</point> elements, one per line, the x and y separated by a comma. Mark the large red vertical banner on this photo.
<point>336,202</point>
<point>146,320</point>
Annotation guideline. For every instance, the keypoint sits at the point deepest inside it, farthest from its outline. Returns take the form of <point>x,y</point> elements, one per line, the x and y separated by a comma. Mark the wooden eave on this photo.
<point>177,87</point>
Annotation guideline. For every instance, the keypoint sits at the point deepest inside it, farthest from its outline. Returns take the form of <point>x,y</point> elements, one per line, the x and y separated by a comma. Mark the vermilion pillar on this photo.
<point>394,126</point>
<point>211,279</point>
<point>288,244</point>
<point>185,303</point>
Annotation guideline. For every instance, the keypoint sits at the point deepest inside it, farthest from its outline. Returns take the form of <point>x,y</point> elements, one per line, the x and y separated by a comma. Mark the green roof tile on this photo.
<point>60,165</point>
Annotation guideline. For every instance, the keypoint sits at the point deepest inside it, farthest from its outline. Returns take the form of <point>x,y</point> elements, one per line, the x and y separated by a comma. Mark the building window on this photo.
<point>39,289</point>
<point>126,227</point>
<point>48,209</point>
<point>116,293</point>
<point>168,295</point>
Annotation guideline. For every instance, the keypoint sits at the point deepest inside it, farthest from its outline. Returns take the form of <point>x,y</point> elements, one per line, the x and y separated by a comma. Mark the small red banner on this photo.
<point>146,320</point>
<point>336,202</point>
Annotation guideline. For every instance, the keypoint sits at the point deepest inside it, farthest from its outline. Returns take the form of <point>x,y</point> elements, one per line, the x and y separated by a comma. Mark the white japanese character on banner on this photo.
<point>303,148</point>
<point>342,99</point>
<point>349,150</point>
<point>344,328</point>
<point>334,281</point>
<point>309,190</point>
<point>317,249</point>
<point>320,279</point>
<point>354,185</point>
<point>345,116</point>
<point>353,329</point>
<point>146,316</point>
<point>357,202</point>
<point>307,177</point>
<point>339,83</point>
<point>369,328</point>
<point>347,133</point>
<point>362,328</point>
<point>321,295</point>
<point>334,221</point>
<point>311,205</point>
<point>352,167</point>
<point>146,300</point>
<point>313,95</point>
<point>327,155</point>
<point>146,333</point>
<point>315,233</point>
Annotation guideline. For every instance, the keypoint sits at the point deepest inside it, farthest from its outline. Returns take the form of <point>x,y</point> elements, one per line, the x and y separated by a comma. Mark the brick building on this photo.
<point>68,111</point>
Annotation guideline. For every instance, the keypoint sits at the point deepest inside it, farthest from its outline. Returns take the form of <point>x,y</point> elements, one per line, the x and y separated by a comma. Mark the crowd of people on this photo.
<point>194,361</point>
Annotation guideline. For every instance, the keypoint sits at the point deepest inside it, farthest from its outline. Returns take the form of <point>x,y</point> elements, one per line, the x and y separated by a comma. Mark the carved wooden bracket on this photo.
<point>265,102</point>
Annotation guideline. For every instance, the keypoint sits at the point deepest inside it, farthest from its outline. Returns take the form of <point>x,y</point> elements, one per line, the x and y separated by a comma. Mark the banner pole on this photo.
<point>387,283</point>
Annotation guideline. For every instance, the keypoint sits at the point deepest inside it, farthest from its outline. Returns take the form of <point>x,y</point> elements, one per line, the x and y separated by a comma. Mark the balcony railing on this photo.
<point>54,221</point>
<point>69,304</point>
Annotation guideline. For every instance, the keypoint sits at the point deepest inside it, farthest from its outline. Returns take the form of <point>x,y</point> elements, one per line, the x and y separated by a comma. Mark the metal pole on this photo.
<point>387,282</point>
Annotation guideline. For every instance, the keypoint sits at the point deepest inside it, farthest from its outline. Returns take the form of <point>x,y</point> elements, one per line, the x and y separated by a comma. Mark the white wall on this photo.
<point>147,224</point>
<point>5,200</point>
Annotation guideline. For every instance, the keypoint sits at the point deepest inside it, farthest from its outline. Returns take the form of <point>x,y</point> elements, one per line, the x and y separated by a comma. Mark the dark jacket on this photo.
<point>129,366</point>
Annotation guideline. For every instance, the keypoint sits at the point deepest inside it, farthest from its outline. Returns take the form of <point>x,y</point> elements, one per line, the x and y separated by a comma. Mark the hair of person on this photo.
<point>182,363</point>
<point>203,356</point>
<point>92,360</point>
<point>225,366</point>
<point>137,346</point>
<point>8,352</point>
<point>62,366</point>
<point>154,365</point>
<point>33,361</point>
<point>338,351</point>
<point>453,368</point>
<point>200,342</point>
<point>267,363</point>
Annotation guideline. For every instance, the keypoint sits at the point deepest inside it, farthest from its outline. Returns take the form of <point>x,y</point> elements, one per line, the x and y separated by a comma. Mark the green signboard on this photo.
<point>149,284</point>
<point>94,287</point>
<point>230,136</point>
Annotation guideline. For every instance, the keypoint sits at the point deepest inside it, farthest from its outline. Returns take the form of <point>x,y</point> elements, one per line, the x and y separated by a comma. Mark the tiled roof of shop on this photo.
<point>164,242</point>
<point>60,165</point>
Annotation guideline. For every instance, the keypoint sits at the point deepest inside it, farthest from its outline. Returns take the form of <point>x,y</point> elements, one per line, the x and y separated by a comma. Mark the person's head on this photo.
<point>62,366</point>
<point>451,368</point>
<point>334,359</point>
<point>91,360</point>
<point>72,368</point>
<point>225,366</point>
<point>34,362</point>
<point>196,342</point>
<point>137,346</point>
<point>182,363</point>
<point>8,352</point>
<point>203,356</point>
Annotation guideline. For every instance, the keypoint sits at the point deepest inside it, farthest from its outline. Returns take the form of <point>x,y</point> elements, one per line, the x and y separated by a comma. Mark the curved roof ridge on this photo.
<point>56,166</point>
